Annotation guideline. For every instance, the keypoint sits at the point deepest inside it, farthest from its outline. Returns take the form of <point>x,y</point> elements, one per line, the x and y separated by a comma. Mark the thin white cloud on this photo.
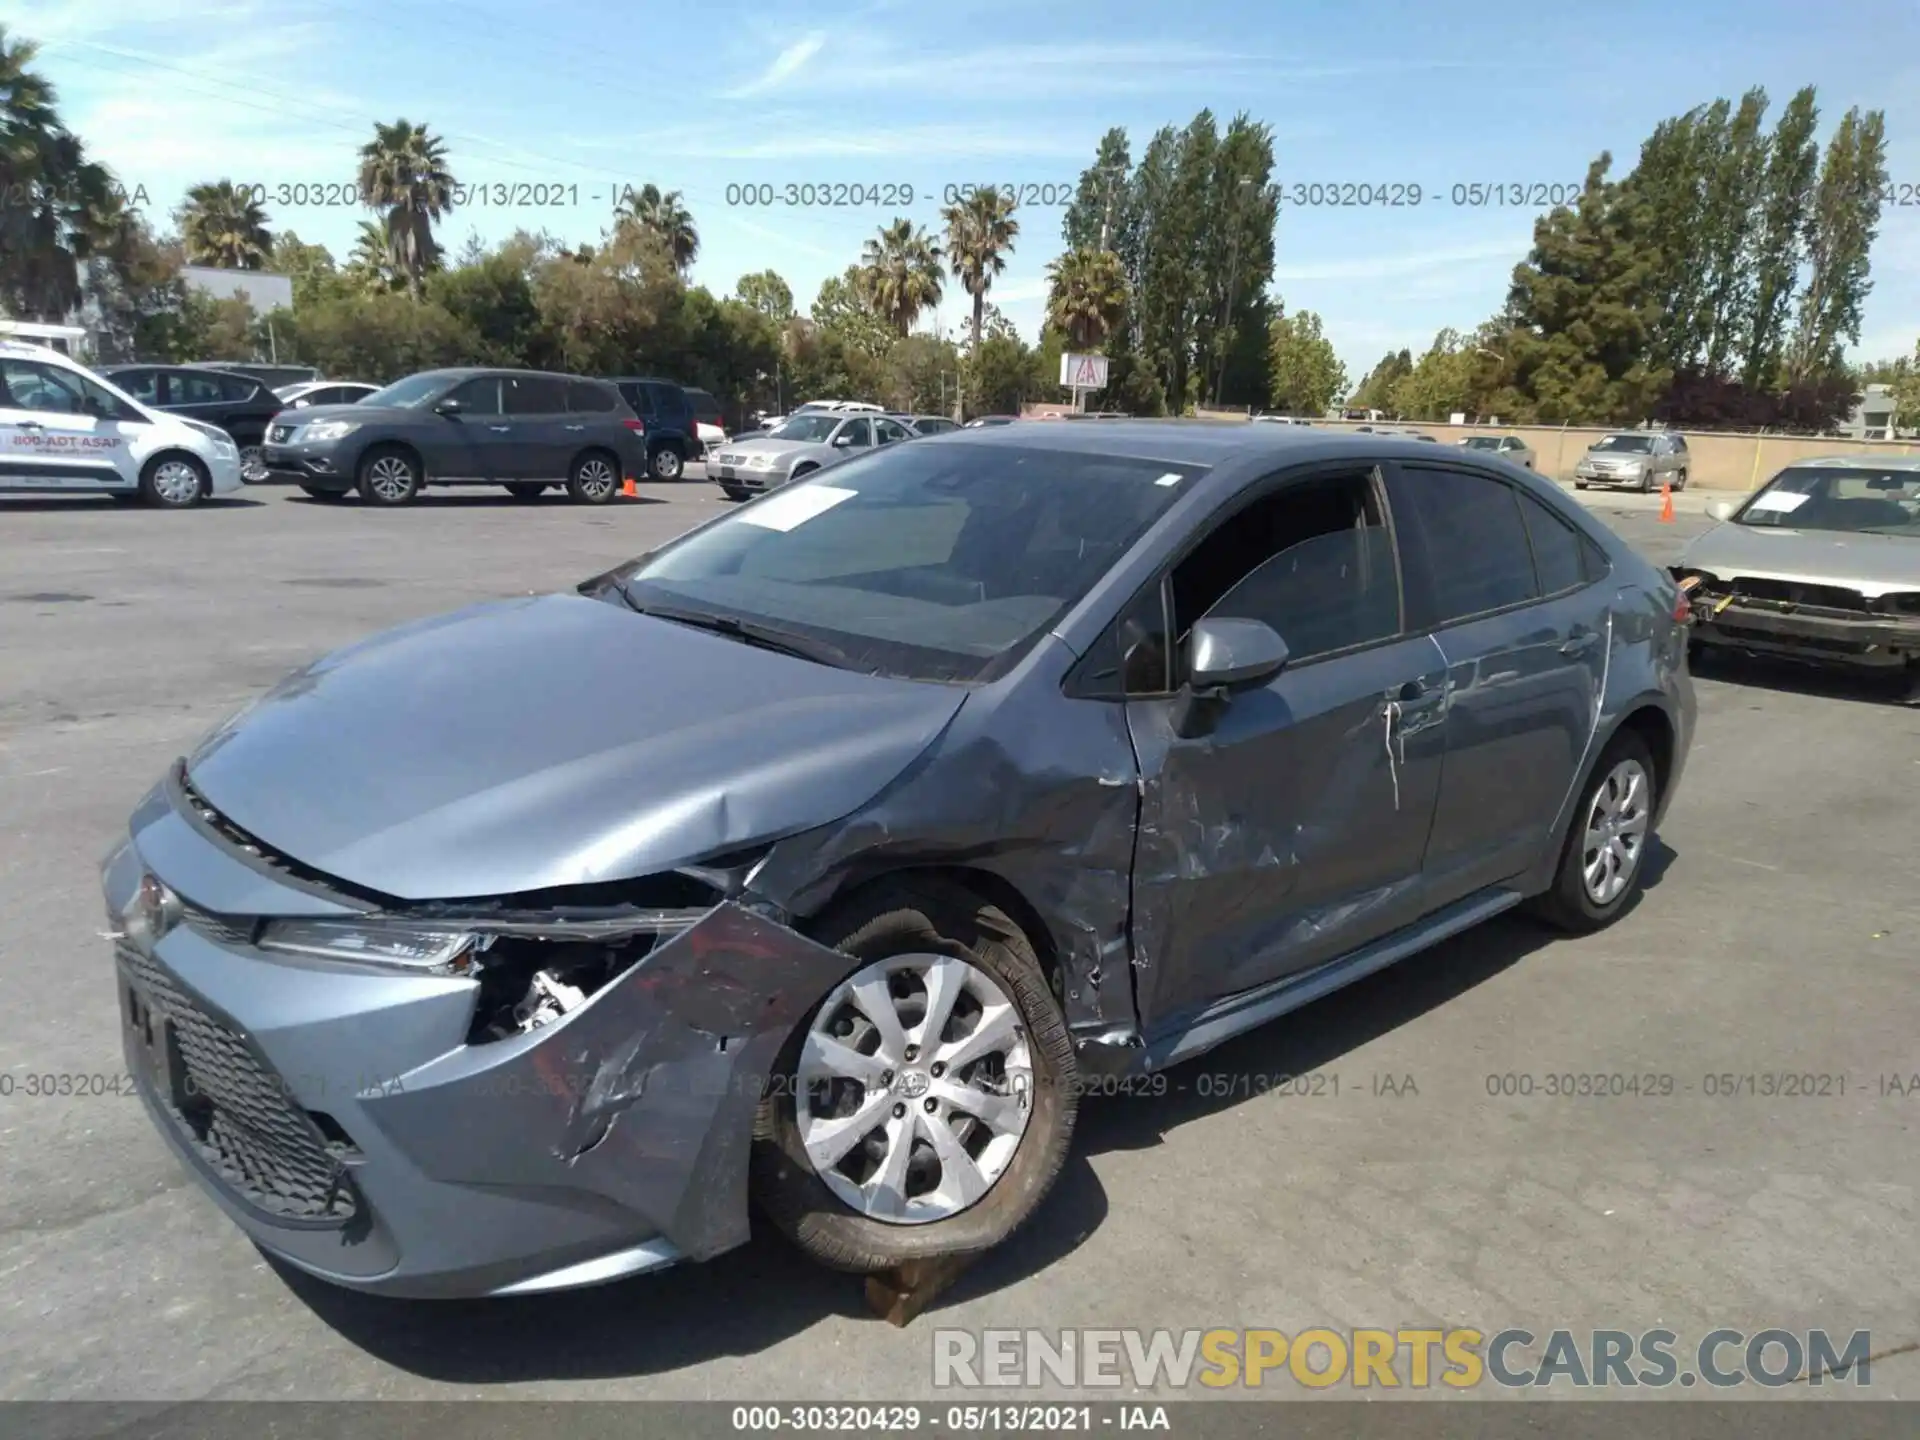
<point>788,63</point>
<point>1414,262</point>
<point>786,242</point>
<point>793,138</point>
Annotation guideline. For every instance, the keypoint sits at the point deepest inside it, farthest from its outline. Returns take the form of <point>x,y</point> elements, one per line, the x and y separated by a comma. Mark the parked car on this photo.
<point>524,429</point>
<point>241,405</point>
<point>809,441</point>
<point>67,430</point>
<point>982,422</point>
<point>1639,459</point>
<point>272,376</point>
<point>310,393</point>
<point>710,424</point>
<point>1507,447</point>
<point>810,861</point>
<point>857,407</point>
<point>1821,564</point>
<point>666,409</point>
<point>925,424</point>
<point>1280,420</point>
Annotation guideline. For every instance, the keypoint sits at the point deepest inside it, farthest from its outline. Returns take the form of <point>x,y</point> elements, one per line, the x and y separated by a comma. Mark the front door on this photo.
<point>60,431</point>
<point>1293,831</point>
<point>468,446</point>
<point>1507,587</point>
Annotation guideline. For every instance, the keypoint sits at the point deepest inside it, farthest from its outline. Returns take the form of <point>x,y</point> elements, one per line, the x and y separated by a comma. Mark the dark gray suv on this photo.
<point>826,855</point>
<point>524,429</point>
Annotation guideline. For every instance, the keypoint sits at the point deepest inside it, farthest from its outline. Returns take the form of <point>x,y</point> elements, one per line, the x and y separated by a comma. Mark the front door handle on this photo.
<point>576,427</point>
<point>28,425</point>
<point>1581,643</point>
<point>500,429</point>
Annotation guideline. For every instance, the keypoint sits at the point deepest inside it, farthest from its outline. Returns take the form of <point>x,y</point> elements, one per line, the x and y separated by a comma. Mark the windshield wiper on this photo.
<point>766,637</point>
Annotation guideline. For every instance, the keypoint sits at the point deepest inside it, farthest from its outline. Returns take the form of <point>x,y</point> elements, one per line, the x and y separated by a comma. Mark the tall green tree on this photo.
<point>1086,297</point>
<point>223,225</point>
<point>370,266</point>
<point>766,292</point>
<point>1100,213</point>
<point>1238,245</point>
<point>1307,377</point>
<point>312,268</point>
<point>57,208</point>
<point>1845,219</point>
<point>404,176</point>
<point>844,310</point>
<point>901,273</point>
<point>1375,391</point>
<point>980,235</point>
<point>662,214</point>
<point>1779,238</point>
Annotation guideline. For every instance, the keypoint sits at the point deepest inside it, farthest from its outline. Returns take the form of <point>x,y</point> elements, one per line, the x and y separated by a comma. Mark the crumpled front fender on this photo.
<point>642,1099</point>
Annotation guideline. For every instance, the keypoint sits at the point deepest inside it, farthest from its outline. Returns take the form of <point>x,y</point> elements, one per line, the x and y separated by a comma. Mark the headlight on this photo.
<point>330,429</point>
<point>406,947</point>
<point>151,913</point>
<point>760,462</point>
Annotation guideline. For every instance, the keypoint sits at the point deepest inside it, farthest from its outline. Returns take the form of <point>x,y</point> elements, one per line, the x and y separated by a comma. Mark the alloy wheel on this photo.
<point>1616,832</point>
<point>390,477</point>
<point>595,479</point>
<point>666,463</point>
<point>176,482</point>
<point>914,1088</point>
<point>252,466</point>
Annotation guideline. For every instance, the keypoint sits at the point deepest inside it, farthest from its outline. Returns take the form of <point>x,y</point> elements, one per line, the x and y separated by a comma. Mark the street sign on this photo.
<point>1083,372</point>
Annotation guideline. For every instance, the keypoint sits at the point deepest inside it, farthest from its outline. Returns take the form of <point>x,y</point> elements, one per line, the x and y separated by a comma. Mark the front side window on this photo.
<point>31,385</point>
<point>1475,543</point>
<point>927,562</point>
<point>1313,559</point>
<point>1864,500</point>
<point>415,390</point>
<point>855,435</point>
<point>479,396</point>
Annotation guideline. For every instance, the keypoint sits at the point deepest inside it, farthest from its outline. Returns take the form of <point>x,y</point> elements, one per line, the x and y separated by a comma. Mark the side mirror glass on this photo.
<point>1722,509</point>
<point>449,406</point>
<point>1233,654</point>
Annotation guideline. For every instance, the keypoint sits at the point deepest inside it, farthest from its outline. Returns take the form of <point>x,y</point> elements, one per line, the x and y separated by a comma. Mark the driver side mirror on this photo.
<point>843,442</point>
<point>1224,656</point>
<point>449,407</point>
<point>1722,509</point>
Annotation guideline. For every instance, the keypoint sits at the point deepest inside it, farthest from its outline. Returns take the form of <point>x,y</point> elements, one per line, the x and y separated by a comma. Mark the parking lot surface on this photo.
<point>1778,937</point>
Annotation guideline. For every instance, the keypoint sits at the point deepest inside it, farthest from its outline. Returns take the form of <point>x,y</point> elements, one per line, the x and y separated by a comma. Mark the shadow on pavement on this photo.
<point>1785,677</point>
<point>105,503</point>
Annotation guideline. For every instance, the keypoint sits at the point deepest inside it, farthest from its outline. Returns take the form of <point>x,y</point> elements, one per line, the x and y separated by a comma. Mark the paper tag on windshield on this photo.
<point>1172,477</point>
<point>787,509</point>
<point>1779,500</point>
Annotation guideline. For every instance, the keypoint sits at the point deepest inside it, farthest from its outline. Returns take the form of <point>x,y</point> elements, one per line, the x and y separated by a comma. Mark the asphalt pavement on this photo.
<point>1778,936</point>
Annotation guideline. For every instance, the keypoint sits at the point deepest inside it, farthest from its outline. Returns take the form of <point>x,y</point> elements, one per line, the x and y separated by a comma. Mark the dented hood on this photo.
<point>562,740</point>
<point>1872,564</point>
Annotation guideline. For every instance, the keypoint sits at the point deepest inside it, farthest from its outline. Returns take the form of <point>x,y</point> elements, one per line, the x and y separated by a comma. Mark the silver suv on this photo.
<point>1638,459</point>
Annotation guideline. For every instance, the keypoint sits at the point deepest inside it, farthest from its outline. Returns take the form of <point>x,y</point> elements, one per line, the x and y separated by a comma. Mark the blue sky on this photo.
<point>580,97</point>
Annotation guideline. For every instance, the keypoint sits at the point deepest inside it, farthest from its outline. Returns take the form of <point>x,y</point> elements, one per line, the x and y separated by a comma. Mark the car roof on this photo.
<point>1857,462</point>
<point>642,380</point>
<point>1194,442</point>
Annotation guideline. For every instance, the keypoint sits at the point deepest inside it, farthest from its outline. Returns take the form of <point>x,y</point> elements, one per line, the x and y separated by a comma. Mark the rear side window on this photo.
<point>534,394</point>
<point>1473,541</point>
<point>189,387</point>
<point>238,388</point>
<point>586,398</point>
<point>669,401</point>
<point>704,406</point>
<point>1557,557</point>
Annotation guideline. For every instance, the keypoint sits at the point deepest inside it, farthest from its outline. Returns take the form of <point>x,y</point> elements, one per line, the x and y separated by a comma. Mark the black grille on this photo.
<point>1832,597</point>
<point>237,1114</point>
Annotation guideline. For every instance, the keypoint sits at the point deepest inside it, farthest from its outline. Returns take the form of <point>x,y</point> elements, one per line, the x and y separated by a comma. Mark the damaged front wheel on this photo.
<point>927,1104</point>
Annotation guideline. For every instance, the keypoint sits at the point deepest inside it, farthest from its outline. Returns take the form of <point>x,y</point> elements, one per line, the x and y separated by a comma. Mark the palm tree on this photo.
<point>900,270</point>
<point>404,176</point>
<point>57,208</point>
<point>664,216</point>
<point>980,231</point>
<point>370,262</point>
<point>223,225</point>
<point>1086,296</point>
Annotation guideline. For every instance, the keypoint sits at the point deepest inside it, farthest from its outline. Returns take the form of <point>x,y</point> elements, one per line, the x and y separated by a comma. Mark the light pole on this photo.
<point>1233,284</point>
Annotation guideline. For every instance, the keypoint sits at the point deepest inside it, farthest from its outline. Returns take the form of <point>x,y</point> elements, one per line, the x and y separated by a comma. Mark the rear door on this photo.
<point>60,431</point>
<point>1503,585</point>
<point>889,432</point>
<point>593,416</point>
<point>197,394</point>
<point>538,445</point>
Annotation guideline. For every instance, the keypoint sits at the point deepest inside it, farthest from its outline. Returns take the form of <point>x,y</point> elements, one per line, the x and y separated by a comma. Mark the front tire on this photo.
<point>595,479</point>
<point>883,1139</point>
<point>389,476</point>
<point>666,463</point>
<point>1604,858</point>
<point>175,481</point>
<point>1679,480</point>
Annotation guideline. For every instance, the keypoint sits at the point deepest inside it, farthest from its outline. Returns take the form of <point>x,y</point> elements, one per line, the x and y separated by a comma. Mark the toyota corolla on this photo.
<point>816,860</point>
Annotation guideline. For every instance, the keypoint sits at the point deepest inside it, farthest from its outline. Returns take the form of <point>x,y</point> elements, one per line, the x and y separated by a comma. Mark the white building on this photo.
<point>1872,418</point>
<point>260,289</point>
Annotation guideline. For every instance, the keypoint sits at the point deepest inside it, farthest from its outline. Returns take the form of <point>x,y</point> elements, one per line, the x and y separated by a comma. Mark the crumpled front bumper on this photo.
<point>1813,634</point>
<point>609,1142</point>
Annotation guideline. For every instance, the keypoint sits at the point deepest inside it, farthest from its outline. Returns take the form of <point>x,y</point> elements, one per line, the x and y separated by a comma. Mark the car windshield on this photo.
<point>814,428</point>
<point>929,563</point>
<point>1483,442</point>
<point>412,391</point>
<point>1862,501</point>
<point>1630,444</point>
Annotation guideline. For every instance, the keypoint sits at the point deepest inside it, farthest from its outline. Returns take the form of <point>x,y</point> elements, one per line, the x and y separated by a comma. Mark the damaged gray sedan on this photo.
<point>820,860</point>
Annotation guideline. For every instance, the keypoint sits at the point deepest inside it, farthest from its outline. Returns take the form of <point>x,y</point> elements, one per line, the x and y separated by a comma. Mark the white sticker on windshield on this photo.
<point>1780,500</point>
<point>789,508</point>
<point>1170,478</point>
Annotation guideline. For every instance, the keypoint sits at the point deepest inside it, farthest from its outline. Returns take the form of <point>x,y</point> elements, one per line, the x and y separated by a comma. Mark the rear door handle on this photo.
<point>28,425</point>
<point>1581,643</point>
<point>500,429</point>
<point>576,427</point>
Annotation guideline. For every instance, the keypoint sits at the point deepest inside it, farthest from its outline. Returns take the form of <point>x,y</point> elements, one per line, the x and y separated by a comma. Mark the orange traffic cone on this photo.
<point>1666,504</point>
<point>631,491</point>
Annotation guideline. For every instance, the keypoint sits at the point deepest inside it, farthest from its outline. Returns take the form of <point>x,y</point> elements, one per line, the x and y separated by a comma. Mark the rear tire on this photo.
<point>595,478</point>
<point>1579,484</point>
<point>734,495</point>
<point>526,492</point>
<point>1604,857</point>
<point>174,481</point>
<point>666,463</point>
<point>389,476</point>
<point>1679,480</point>
<point>924,924</point>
